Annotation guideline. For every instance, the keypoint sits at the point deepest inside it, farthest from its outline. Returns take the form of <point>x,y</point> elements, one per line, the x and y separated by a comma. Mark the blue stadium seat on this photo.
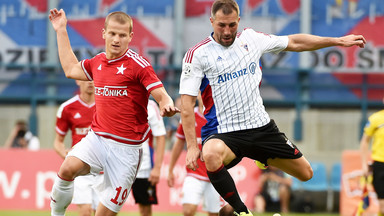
<point>319,181</point>
<point>335,178</point>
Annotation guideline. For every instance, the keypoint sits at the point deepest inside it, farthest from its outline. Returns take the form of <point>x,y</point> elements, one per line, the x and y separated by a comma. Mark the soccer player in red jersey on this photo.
<point>196,186</point>
<point>76,115</point>
<point>123,82</point>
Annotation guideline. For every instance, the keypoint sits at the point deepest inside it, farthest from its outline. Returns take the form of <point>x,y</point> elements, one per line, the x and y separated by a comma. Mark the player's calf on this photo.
<point>61,196</point>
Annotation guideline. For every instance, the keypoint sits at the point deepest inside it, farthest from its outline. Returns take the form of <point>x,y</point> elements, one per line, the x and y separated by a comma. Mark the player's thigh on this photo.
<point>120,168</point>
<point>86,155</point>
<point>299,167</point>
<point>73,167</point>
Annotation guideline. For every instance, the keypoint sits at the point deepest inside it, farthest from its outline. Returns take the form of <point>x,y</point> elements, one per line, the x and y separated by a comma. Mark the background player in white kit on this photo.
<point>144,188</point>
<point>123,82</point>
<point>196,186</point>
<point>225,67</point>
<point>76,115</point>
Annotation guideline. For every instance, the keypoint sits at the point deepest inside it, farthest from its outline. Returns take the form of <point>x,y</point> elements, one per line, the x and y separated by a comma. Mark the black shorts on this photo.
<point>258,144</point>
<point>143,192</point>
<point>378,178</point>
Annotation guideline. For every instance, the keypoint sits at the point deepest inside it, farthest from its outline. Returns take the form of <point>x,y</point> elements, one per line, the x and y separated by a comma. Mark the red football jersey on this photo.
<point>122,88</point>
<point>74,115</point>
<point>201,172</point>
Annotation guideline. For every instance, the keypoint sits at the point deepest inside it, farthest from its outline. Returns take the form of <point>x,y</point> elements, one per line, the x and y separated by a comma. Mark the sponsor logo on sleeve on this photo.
<point>187,69</point>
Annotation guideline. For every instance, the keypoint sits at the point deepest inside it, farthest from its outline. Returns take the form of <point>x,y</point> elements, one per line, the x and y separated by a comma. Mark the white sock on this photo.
<point>61,196</point>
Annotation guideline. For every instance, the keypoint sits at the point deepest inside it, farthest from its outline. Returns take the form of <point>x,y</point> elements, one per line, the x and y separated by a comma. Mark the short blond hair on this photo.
<point>120,17</point>
<point>228,6</point>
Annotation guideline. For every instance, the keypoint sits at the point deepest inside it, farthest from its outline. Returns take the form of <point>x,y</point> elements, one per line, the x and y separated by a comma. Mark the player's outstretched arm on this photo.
<point>68,60</point>
<point>307,42</point>
<point>167,108</point>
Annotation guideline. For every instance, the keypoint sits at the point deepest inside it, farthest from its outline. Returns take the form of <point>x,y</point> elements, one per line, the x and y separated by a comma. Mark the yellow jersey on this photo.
<point>375,129</point>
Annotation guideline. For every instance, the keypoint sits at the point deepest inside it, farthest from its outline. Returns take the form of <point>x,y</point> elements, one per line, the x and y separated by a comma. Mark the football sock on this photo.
<point>225,186</point>
<point>61,196</point>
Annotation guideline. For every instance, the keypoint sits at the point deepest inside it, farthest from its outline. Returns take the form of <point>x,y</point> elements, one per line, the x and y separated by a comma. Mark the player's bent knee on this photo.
<point>211,158</point>
<point>73,167</point>
<point>66,173</point>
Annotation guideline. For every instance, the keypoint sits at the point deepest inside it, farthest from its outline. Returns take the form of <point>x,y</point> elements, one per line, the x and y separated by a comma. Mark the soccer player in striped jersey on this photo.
<point>225,68</point>
<point>123,82</point>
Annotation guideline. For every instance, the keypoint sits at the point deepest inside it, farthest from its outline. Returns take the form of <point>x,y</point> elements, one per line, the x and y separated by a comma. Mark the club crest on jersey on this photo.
<point>121,69</point>
<point>245,46</point>
<point>111,91</point>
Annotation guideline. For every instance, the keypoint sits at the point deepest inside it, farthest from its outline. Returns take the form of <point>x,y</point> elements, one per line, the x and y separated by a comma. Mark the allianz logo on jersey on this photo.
<point>233,75</point>
<point>111,91</point>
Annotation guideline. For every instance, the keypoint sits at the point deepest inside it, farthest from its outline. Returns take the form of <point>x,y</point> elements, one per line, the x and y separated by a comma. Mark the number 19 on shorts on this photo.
<point>123,196</point>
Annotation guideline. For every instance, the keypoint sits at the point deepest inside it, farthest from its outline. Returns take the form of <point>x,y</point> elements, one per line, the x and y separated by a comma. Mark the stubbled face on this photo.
<point>225,27</point>
<point>117,38</point>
